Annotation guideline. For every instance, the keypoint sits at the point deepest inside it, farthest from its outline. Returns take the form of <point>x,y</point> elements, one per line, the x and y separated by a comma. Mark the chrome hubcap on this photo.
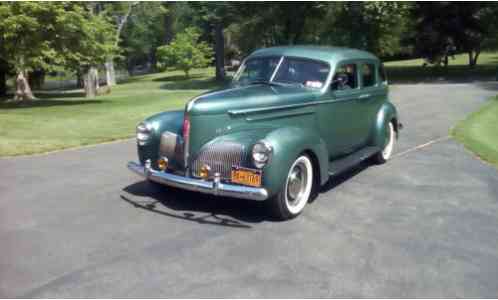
<point>296,184</point>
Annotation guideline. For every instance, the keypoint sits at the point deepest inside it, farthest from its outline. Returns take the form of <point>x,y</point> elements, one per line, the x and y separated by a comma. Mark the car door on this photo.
<point>341,121</point>
<point>373,92</point>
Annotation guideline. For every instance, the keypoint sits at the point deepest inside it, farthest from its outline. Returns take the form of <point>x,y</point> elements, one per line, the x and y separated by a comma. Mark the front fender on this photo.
<point>386,114</point>
<point>288,143</point>
<point>165,121</point>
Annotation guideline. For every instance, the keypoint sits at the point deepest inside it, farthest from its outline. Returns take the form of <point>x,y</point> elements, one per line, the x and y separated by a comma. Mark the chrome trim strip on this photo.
<point>270,108</point>
<point>198,185</point>
<point>278,116</point>
<point>287,106</point>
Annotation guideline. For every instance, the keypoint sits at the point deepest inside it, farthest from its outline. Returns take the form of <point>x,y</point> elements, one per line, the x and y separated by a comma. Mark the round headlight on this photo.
<point>261,153</point>
<point>144,131</point>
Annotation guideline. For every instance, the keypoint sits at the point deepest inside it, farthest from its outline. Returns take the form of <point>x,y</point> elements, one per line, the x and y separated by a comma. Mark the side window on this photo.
<point>382,73</point>
<point>345,78</point>
<point>368,74</point>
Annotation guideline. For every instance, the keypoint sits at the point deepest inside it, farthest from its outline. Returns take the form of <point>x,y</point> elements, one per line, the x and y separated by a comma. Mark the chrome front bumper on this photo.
<point>198,185</point>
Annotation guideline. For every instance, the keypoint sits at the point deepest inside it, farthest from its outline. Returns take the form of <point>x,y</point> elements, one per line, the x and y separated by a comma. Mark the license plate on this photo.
<point>246,176</point>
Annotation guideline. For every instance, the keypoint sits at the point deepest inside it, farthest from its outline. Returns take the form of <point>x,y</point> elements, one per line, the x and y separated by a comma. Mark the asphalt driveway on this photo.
<point>77,224</point>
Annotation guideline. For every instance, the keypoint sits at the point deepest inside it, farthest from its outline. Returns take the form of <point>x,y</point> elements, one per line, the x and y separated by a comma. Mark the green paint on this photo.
<point>326,124</point>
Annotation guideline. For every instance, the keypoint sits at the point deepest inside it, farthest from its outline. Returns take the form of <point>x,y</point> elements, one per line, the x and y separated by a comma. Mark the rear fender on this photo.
<point>386,114</point>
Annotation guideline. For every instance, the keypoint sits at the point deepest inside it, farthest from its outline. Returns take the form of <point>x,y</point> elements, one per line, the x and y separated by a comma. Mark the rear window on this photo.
<point>368,74</point>
<point>348,74</point>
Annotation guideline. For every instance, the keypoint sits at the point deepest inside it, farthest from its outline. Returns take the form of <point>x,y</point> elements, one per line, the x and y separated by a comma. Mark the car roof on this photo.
<point>331,55</point>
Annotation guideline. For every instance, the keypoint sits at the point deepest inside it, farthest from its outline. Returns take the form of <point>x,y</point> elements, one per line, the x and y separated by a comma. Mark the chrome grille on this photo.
<point>220,157</point>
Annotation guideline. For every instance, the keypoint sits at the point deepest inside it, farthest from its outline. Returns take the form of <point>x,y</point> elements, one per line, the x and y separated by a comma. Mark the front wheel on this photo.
<point>386,153</point>
<point>295,193</point>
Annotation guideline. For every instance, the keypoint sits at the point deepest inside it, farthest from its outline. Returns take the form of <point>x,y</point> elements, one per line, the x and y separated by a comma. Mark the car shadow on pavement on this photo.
<point>339,179</point>
<point>196,207</point>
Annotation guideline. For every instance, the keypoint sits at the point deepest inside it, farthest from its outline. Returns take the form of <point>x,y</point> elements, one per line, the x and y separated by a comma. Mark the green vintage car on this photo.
<point>291,118</point>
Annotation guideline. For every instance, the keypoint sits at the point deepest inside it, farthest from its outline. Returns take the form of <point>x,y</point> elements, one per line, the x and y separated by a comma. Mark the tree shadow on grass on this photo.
<point>450,74</point>
<point>196,207</point>
<point>45,103</point>
<point>59,94</point>
<point>194,84</point>
<point>178,77</point>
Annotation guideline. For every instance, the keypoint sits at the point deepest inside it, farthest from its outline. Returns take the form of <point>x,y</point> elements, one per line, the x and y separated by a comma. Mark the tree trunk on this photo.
<point>473,58</point>
<point>3,82</point>
<point>91,82</point>
<point>476,57</point>
<point>109,65</point>
<point>23,90</point>
<point>36,79</point>
<point>80,82</point>
<point>110,73</point>
<point>152,60</point>
<point>168,26</point>
<point>219,51</point>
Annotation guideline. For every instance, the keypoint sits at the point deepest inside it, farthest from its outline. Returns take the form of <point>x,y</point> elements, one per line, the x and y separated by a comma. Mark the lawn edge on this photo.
<point>70,148</point>
<point>460,134</point>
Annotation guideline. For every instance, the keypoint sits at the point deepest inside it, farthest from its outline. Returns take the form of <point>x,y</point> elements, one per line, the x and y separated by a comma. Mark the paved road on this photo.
<point>78,224</point>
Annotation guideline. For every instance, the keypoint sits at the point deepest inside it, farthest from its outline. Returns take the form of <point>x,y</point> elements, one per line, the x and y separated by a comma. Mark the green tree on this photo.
<point>378,27</point>
<point>147,28</point>
<point>440,26</point>
<point>185,52</point>
<point>118,13</point>
<point>43,36</point>
<point>274,23</point>
<point>217,16</point>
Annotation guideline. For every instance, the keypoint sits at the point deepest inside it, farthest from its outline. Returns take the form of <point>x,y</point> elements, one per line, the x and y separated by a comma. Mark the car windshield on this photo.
<point>259,69</point>
<point>298,71</point>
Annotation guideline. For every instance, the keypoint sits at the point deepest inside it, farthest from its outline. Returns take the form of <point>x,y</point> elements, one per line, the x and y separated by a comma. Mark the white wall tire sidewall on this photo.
<point>296,209</point>
<point>388,148</point>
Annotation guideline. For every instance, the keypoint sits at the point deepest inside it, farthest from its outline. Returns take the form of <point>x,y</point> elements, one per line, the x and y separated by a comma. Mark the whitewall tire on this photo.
<point>295,193</point>
<point>385,154</point>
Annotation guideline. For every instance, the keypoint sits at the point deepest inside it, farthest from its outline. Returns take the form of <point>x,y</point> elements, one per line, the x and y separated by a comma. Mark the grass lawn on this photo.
<point>412,71</point>
<point>63,120</point>
<point>479,132</point>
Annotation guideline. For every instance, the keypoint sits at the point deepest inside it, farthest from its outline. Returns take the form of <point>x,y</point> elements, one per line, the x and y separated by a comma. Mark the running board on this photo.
<point>339,165</point>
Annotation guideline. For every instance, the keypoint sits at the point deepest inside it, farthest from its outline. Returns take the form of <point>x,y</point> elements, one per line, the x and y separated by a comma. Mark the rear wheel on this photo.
<point>295,193</point>
<point>387,151</point>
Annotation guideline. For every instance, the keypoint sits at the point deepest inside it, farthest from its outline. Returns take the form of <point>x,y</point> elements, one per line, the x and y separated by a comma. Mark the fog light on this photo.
<point>162,163</point>
<point>205,170</point>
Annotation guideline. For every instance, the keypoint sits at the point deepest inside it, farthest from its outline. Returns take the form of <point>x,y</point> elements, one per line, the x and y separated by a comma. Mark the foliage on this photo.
<point>143,33</point>
<point>273,23</point>
<point>441,26</point>
<point>378,27</point>
<point>40,35</point>
<point>185,52</point>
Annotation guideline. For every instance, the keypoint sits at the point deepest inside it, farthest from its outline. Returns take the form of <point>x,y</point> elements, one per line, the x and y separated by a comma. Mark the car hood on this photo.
<point>252,96</point>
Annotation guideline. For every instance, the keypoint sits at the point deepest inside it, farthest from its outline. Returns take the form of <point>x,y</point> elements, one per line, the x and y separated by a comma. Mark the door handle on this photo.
<point>364,96</point>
